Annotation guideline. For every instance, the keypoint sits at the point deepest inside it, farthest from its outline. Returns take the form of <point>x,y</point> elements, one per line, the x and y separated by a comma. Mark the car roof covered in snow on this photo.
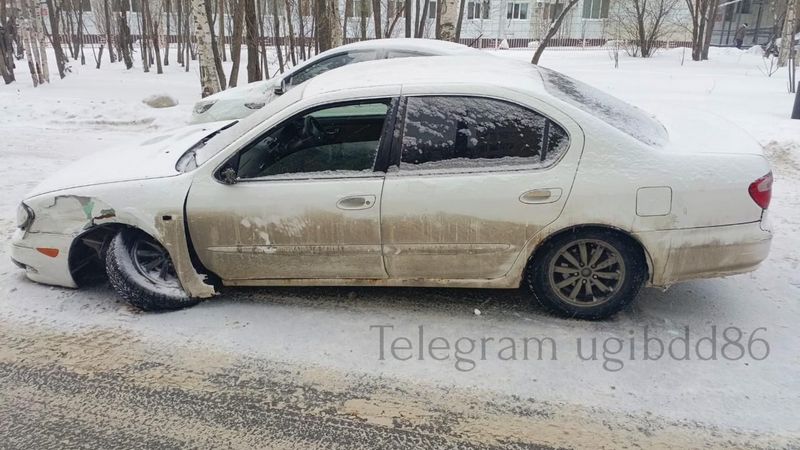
<point>487,70</point>
<point>432,46</point>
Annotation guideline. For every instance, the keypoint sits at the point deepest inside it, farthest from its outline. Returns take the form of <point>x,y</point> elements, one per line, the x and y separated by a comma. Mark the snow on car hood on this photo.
<point>694,130</point>
<point>256,90</point>
<point>153,158</point>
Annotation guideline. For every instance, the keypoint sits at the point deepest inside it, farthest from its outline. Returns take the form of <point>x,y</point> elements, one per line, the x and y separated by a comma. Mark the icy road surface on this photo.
<point>314,367</point>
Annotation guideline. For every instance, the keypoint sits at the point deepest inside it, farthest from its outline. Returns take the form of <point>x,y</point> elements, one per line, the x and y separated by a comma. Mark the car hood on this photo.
<point>258,89</point>
<point>153,158</point>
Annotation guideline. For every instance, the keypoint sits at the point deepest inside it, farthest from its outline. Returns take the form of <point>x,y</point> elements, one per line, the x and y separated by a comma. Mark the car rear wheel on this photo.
<point>141,271</point>
<point>587,274</point>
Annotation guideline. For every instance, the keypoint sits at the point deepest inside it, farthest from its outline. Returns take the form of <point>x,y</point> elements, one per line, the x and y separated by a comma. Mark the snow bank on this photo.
<point>160,101</point>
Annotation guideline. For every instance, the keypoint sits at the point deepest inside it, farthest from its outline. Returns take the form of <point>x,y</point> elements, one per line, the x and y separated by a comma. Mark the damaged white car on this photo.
<point>426,172</point>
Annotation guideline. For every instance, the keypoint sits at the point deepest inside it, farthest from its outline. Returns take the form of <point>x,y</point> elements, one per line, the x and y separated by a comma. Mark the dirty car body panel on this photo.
<point>326,187</point>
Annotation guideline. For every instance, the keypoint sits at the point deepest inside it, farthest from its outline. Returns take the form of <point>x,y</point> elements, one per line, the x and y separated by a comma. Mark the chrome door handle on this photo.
<point>356,202</point>
<point>548,195</point>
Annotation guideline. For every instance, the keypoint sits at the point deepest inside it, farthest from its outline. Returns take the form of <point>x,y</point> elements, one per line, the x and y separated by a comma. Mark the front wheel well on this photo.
<point>588,228</point>
<point>87,253</point>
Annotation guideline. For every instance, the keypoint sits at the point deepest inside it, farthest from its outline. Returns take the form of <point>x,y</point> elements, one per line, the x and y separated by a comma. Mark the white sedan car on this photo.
<point>426,172</point>
<point>242,101</point>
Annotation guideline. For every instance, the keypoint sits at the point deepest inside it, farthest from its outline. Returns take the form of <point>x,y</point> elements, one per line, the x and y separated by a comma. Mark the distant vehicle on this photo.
<point>242,101</point>
<point>427,172</point>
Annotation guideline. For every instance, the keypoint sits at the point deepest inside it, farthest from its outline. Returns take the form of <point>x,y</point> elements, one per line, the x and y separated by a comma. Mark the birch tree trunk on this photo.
<point>336,29</point>
<point>447,20</point>
<point>31,50</point>
<point>221,29</point>
<point>787,36</point>
<point>41,39</point>
<point>168,10</point>
<point>209,80</point>
<point>276,33</point>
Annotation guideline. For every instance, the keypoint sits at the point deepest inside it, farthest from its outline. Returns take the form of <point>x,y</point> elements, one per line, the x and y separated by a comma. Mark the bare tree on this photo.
<point>55,38</point>
<point>276,33</point>
<point>328,30</point>
<point>552,31</point>
<point>107,22</point>
<point>168,11</point>
<point>643,23</point>
<point>253,36</point>
<point>7,31</point>
<point>702,13</point>
<point>236,8</point>
<point>376,15</point>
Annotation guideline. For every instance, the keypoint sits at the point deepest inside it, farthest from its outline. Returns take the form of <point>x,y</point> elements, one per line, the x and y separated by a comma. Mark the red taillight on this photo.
<point>761,190</point>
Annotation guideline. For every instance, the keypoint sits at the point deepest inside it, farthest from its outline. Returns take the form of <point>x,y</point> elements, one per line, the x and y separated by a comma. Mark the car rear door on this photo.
<point>472,184</point>
<point>305,202</point>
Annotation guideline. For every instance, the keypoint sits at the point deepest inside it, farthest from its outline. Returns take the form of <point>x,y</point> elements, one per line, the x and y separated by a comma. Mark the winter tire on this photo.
<point>587,274</point>
<point>141,271</point>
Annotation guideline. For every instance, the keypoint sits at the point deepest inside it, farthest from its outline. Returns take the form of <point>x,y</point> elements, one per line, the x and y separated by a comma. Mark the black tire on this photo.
<point>144,291</point>
<point>554,290</point>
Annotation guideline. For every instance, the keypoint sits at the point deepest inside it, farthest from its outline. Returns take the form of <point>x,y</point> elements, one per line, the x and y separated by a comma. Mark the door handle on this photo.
<point>534,196</point>
<point>356,202</point>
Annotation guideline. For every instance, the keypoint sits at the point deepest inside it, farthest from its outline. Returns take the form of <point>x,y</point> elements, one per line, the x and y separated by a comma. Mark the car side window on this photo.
<point>333,62</point>
<point>340,140</point>
<point>454,132</point>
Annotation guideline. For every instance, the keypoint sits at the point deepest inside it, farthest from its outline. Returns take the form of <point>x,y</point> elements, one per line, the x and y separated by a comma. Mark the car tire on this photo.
<point>141,271</point>
<point>561,269</point>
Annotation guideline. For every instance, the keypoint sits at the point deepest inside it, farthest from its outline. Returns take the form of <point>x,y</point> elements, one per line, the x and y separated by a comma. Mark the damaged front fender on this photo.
<point>153,206</point>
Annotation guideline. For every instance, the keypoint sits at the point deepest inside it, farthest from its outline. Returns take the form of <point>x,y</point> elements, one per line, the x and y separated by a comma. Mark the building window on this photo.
<point>744,7</point>
<point>517,11</point>
<point>478,9</point>
<point>553,11</point>
<point>595,9</point>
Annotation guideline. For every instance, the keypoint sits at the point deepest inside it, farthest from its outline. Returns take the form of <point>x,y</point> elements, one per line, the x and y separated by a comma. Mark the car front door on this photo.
<point>477,178</point>
<point>304,200</point>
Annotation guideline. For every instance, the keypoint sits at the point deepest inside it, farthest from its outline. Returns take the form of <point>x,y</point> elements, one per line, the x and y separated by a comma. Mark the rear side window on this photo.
<point>620,115</point>
<point>453,132</point>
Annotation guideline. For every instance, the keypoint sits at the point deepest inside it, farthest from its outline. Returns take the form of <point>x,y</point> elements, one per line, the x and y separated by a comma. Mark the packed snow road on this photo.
<point>711,363</point>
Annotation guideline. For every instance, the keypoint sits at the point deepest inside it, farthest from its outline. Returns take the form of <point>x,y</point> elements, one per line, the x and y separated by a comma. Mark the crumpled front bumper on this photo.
<point>41,265</point>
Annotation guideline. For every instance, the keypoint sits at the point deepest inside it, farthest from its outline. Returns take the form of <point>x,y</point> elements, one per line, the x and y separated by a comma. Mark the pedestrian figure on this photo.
<point>738,38</point>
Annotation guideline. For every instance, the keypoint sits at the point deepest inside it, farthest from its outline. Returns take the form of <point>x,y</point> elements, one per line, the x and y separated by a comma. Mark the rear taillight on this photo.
<point>761,190</point>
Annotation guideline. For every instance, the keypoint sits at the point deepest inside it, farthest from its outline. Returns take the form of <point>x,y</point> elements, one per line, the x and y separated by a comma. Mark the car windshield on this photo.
<point>212,144</point>
<point>620,115</point>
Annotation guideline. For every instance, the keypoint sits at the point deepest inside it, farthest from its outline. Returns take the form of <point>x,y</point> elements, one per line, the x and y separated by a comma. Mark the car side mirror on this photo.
<point>229,176</point>
<point>281,89</point>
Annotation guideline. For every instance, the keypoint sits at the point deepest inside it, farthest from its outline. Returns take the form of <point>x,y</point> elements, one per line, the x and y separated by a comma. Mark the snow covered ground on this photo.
<point>335,328</point>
